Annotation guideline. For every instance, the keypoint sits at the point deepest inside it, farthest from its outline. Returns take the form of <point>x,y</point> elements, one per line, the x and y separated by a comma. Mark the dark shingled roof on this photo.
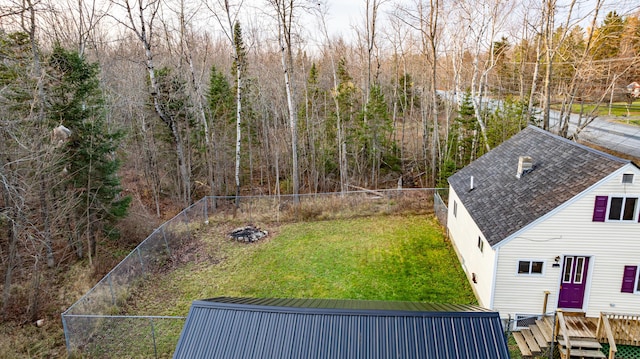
<point>323,328</point>
<point>501,204</point>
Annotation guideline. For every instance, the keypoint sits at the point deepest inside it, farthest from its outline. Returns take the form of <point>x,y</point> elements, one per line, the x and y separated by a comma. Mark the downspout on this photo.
<point>495,277</point>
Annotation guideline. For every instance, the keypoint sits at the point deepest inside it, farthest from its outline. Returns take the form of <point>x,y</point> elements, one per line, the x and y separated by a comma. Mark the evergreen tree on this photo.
<point>608,37</point>
<point>469,144</point>
<point>89,155</point>
<point>220,97</point>
<point>376,136</point>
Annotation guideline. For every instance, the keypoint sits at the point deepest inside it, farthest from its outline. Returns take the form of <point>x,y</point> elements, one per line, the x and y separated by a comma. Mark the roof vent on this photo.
<point>525,165</point>
<point>471,184</point>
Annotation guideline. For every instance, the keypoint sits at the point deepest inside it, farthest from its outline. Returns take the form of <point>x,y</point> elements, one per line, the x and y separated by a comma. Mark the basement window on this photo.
<point>529,267</point>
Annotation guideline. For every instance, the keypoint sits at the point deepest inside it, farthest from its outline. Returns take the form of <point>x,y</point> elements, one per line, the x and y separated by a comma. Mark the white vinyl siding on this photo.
<point>466,238</point>
<point>570,232</point>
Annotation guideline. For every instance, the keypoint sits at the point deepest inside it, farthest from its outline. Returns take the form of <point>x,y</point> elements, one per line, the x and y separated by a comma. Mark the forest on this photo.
<point>116,114</point>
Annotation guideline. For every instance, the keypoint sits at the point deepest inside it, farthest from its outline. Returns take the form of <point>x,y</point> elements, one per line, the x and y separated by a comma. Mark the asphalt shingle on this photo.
<point>501,204</point>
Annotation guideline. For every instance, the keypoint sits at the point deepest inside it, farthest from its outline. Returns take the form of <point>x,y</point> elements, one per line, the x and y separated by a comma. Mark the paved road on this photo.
<point>613,135</point>
<point>602,132</point>
<point>616,136</point>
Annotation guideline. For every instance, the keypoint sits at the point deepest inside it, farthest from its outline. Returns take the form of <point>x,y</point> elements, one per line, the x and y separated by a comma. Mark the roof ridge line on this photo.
<point>578,144</point>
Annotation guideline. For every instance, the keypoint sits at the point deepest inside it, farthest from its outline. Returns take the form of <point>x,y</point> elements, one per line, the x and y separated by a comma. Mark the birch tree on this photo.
<point>141,16</point>
<point>340,136</point>
<point>231,28</point>
<point>285,12</point>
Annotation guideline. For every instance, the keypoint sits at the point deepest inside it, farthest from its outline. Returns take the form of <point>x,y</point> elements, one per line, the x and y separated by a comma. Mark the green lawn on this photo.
<point>384,257</point>
<point>375,258</point>
<point>618,109</point>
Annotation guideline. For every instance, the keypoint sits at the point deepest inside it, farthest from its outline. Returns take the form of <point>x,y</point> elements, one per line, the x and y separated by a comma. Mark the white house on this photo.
<point>540,213</point>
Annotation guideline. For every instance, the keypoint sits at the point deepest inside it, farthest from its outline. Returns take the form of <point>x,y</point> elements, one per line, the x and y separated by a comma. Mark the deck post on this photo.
<point>546,300</point>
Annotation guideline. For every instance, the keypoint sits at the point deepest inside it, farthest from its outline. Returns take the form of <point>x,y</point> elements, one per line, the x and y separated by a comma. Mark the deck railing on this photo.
<point>604,333</point>
<point>625,328</point>
<point>561,329</point>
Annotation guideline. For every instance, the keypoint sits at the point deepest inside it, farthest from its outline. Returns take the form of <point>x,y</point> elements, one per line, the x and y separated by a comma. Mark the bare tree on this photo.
<point>285,12</point>
<point>483,22</point>
<point>231,29</point>
<point>141,15</point>
<point>321,12</point>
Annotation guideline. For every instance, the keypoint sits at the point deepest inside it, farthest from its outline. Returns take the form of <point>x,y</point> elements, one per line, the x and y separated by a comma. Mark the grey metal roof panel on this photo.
<point>230,328</point>
<point>501,204</point>
<point>343,306</point>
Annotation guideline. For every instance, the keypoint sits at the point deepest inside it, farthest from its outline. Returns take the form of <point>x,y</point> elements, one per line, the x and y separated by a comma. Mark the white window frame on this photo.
<point>569,267</point>
<point>636,284</point>
<point>541,274</point>
<point>582,270</point>
<point>624,200</point>
<point>628,175</point>
<point>455,208</point>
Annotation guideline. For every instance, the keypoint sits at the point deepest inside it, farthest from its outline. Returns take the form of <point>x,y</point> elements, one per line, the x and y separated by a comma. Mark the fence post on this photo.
<point>66,334</point>
<point>153,335</point>
<point>113,297</point>
<point>206,210</point>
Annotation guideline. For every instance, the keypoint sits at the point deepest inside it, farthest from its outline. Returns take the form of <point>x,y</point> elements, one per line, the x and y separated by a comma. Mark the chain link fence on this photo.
<point>439,205</point>
<point>98,326</point>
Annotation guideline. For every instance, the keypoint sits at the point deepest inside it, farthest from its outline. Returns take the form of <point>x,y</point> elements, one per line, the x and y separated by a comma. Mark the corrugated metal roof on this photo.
<point>321,328</point>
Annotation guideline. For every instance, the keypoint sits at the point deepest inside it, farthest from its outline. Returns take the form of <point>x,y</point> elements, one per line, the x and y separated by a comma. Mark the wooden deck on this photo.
<point>576,340</point>
<point>580,326</point>
<point>577,336</point>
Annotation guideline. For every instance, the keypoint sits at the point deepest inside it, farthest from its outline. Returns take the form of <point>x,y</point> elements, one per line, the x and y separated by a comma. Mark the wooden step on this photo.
<point>581,343</point>
<point>522,344</point>
<point>531,342</point>
<point>582,353</point>
<point>549,320</point>
<point>546,330</point>
<point>537,334</point>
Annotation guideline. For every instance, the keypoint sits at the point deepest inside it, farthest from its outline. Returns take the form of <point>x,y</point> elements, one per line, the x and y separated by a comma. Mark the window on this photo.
<point>616,208</point>
<point>480,244</point>
<point>627,178</point>
<point>631,280</point>
<point>455,209</point>
<point>577,279</point>
<point>622,208</point>
<point>568,268</point>
<point>530,267</point>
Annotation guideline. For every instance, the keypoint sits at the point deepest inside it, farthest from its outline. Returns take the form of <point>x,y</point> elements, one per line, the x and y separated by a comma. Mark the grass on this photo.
<point>375,258</point>
<point>618,109</point>
<point>385,257</point>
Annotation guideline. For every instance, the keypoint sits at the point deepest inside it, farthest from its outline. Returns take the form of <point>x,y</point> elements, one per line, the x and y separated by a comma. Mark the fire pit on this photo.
<point>248,234</point>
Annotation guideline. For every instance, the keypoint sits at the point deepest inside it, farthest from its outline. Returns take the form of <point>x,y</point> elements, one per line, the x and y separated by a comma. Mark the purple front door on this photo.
<point>574,282</point>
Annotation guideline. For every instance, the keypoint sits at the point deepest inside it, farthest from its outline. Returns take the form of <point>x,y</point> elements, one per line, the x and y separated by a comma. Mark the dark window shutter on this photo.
<point>600,208</point>
<point>629,279</point>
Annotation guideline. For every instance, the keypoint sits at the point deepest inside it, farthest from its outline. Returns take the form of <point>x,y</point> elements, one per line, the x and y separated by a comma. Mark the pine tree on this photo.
<point>375,136</point>
<point>90,153</point>
<point>220,97</point>
<point>608,37</point>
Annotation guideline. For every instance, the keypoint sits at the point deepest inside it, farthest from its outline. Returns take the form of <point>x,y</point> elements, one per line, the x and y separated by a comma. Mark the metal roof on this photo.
<point>323,328</point>
<point>501,204</point>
